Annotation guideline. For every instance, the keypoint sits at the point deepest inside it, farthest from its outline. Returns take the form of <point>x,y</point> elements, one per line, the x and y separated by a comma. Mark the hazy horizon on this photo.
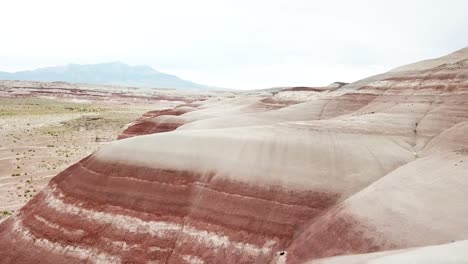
<point>234,44</point>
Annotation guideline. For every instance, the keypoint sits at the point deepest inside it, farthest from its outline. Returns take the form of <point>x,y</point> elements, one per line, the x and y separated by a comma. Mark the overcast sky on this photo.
<point>234,44</point>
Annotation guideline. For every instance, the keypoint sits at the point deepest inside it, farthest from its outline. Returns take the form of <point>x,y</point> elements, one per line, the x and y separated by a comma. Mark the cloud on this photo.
<point>229,43</point>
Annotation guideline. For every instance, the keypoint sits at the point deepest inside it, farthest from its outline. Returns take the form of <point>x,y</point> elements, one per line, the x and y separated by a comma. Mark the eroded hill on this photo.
<point>375,167</point>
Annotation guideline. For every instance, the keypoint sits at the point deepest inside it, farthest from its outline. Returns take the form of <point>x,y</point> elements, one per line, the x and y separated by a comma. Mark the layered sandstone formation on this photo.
<point>96,92</point>
<point>376,168</point>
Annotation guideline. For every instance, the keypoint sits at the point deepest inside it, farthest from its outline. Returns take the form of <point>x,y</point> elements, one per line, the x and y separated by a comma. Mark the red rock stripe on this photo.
<point>96,235</point>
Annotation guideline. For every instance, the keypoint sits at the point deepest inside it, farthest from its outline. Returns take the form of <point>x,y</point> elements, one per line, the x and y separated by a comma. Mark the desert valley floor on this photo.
<point>374,171</point>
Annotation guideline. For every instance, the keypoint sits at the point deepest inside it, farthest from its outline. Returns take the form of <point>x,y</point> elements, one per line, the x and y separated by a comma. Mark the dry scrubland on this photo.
<point>40,137</point>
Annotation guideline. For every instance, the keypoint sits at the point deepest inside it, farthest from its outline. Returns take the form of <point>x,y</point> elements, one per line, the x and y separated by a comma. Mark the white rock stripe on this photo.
<point>121,222</point>
<point>154,228</point>
<point>55,226</point>
<point>192,259</point>
<point>83,253</point>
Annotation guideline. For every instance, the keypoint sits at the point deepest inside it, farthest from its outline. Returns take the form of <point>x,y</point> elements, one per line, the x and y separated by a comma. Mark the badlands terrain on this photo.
<point>368,172</point>
<point>46,127</point>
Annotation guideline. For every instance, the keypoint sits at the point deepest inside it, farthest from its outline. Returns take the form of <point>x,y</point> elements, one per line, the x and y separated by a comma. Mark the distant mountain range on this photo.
<point>113,73</point>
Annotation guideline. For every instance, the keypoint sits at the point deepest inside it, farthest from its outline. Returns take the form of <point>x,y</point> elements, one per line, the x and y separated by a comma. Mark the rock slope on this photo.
<point>376,168</point>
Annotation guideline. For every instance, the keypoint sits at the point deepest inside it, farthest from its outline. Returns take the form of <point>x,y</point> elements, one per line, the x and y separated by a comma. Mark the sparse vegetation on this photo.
<point>6,212</point>
<point>40,106</point>
<point>47,136</point>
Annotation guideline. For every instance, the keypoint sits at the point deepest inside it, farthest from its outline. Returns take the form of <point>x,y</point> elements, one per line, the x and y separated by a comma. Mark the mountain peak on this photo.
<point>113,73</point>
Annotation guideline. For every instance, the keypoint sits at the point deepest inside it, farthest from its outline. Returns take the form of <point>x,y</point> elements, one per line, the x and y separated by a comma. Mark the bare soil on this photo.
<point>41,137</point>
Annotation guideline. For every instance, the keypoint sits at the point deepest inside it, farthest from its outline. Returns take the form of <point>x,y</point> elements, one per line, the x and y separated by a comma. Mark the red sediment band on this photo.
<point>220,219</point>
<point>67,228</point>
<point>273,103</point>
<point>148,127</point>
<point>177,193</point>
<point>15,249</point>
<point>334,234</point>
<point>145,125</point>
<point>97,94</point>
<point>305,89</point>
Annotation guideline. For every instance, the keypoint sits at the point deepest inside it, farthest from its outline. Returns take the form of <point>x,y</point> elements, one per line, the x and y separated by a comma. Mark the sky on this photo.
<point>240,44</point>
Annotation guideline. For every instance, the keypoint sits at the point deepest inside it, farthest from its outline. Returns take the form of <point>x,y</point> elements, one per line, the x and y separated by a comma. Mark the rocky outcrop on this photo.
<point>361,169</point>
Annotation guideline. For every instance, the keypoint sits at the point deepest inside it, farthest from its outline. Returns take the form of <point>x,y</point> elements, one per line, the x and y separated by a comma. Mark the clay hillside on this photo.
<point>369,172</point>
